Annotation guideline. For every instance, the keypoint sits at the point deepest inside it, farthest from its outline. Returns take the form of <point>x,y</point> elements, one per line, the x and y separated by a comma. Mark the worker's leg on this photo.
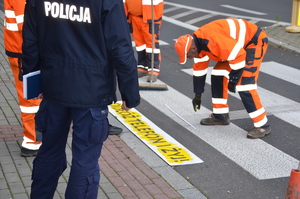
<point>140,45</point>
<point>32,138</point>
<point>219,87</point>
<point>247,85</point>
<point>147,32</point>
<point>53,121</point>
<point>90,130</point>
<point>247,88</point>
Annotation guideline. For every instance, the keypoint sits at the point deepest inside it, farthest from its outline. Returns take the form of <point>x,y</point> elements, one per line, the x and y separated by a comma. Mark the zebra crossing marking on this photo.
<point>259,158</point>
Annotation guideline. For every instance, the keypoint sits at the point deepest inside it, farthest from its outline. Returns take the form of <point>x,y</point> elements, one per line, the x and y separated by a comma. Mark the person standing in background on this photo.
<point>13,25</point>
<point>139,15</point>
<point>81,49</point>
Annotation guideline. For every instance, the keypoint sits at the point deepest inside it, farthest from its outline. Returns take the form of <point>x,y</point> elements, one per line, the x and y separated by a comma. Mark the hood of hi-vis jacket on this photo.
<point>80,47</point>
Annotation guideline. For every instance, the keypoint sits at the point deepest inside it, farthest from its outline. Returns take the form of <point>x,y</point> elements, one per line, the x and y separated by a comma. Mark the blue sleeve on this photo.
<point>30,46</point>
<point>119,46</point>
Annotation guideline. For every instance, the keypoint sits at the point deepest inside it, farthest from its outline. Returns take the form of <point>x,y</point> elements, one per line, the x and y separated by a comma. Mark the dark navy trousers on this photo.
<point>90,130</point>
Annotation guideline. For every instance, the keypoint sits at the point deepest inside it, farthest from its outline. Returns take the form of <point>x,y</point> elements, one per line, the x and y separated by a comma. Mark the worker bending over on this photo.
<point>238,47</point>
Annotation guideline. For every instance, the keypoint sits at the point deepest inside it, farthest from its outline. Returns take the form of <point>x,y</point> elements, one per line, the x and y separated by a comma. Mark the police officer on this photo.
<point>80,48</point>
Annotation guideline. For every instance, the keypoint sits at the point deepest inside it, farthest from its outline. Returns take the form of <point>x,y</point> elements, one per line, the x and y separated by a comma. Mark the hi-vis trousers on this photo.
<point>141,33</point>
<point>90,130</point>
<point>246,86</point>
<point>31,138</point>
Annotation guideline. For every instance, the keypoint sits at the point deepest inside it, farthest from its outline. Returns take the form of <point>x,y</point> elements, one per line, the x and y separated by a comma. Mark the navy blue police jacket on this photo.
<point>81,47</point>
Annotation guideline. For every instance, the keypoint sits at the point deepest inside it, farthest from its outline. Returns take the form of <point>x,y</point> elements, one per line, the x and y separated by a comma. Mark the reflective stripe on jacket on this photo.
<point>222,40</point>
<point>13,23</point>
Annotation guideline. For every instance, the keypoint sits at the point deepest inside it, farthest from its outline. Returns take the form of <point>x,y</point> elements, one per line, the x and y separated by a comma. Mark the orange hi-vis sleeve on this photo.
<point>13,26</point>
<point>227,39</point>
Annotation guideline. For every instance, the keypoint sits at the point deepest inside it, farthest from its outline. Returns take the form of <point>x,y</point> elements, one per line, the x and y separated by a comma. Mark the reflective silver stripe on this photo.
<point>30,146</point>
<point>199,73</point>
<point>203,59</point>
<point>261,123</point>
<point>13,26</point>
<point>247,87</point>
<point>148,2</point>
<point>257,113</point>
<point>20,18</point>
<point>241,40</point>
<point>149,50</point>
<point>140,48</point>
<point>10,14</point>
<point>220,110</point>
<point>141,66</point>
<point>32,109</point>
<point>219,101</point>
<point>232,28</point>
<point>238,65</point>
<point>154,69</point>
<point>224,73</point>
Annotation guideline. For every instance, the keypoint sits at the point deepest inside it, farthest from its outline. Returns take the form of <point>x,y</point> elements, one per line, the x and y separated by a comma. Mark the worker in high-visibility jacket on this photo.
<point>13,25</point>
<point>238,47</point>
<point>139,15</point>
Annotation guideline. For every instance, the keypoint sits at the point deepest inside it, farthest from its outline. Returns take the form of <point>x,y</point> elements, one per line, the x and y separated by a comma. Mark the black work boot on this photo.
<point>114,130</point>
<point>259,132</point>
<point>216,119</point>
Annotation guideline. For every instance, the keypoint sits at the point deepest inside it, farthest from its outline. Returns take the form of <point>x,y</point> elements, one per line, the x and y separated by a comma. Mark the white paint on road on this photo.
<point>259,158</point>
<point>243,10</point>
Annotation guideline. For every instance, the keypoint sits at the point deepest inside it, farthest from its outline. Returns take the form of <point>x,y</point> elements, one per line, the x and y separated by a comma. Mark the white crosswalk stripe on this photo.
<point>176,6</point>
<point>280,106</point>
<point>259,158</point>
<point>282,72</point>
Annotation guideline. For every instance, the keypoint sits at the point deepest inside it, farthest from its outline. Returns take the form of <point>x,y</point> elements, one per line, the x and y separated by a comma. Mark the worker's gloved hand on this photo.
<point>197,102</point>
<point>231,87</point>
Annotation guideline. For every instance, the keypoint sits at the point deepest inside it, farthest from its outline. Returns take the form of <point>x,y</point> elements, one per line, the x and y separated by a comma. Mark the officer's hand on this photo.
<point>231,87</point>
<point>197,102</point>
<point>124,107</point>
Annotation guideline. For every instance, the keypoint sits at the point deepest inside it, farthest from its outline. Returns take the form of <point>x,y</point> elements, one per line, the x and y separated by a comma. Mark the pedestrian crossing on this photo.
<point>280,106</point>
<point>258,157</point>
<point>170,7</point>
<point>261,159</point>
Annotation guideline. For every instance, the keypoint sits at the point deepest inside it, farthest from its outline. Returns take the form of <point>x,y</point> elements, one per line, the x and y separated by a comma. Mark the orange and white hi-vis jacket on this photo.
<point>222,40</point>
<point>146,9</point>
<point>13,26</point>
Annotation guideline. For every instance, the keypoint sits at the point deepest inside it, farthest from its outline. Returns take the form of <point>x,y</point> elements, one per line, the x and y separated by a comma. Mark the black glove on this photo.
<point>197,102</point>
<point>231,87</point>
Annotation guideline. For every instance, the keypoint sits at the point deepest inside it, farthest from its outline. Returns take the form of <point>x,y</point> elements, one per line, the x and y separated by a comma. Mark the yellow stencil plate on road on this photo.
<point>155,138</point>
